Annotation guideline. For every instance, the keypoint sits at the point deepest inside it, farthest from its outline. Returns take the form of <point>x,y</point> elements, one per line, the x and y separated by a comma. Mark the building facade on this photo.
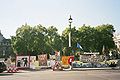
<point>116,39</point>
<point>5,46</point>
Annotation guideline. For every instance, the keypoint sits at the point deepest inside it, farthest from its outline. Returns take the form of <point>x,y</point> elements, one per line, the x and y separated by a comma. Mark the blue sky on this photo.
<point>14,13</point>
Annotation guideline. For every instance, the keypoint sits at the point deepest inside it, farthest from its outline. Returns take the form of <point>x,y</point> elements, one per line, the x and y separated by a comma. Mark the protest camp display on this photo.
<point>91,57</point>
<point>66,60</point>
<point>23,61</point>
<point>57,55</point>
<point>32,62</point>
<point>54,58</point>
<point>42,59</point>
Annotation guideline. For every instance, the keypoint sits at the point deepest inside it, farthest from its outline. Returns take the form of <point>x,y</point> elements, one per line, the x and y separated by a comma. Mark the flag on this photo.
<point>79,46</point>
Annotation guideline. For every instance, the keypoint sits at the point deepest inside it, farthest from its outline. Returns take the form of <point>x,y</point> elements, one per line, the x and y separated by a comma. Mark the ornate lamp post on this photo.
<point>70,21</point>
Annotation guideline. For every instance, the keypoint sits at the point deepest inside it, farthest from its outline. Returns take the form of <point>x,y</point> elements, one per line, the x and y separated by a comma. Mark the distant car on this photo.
<point>2,67</point>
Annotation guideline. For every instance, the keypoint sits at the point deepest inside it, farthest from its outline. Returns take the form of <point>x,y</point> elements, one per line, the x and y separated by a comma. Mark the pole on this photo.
<point>70,36</point>
<point>70,21</point>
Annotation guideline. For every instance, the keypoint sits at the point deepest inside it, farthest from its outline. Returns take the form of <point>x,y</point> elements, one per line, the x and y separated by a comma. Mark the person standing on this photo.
<point>25,62</point>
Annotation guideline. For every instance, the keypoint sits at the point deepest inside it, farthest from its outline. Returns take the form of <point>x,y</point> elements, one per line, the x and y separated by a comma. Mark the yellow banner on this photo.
<point>65,60</point>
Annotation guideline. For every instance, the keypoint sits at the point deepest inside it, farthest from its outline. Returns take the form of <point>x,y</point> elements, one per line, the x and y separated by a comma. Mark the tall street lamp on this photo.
<point>70,21</point>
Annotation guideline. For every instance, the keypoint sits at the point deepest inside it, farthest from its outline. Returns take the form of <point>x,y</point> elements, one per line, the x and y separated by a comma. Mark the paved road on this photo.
<point>63,75</point>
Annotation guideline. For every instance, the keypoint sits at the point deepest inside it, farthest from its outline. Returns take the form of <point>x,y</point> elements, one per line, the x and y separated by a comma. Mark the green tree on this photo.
<point>93,38</point>
<point>53,39</point>
<point>65,39</point>
<point>28,40</point>
<point>20,42</point>
<point>87,37</point>
<point>105,37</point>
<point>38,39</point>
<point>37,43</point>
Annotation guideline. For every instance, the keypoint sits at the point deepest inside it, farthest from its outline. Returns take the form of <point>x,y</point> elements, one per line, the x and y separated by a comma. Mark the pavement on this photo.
<point>62,75</point>
<point>73,69</point>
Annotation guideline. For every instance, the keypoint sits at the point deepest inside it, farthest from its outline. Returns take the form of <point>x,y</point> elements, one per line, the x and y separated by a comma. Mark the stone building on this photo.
<point>5,46</point>
<point>116,39</point>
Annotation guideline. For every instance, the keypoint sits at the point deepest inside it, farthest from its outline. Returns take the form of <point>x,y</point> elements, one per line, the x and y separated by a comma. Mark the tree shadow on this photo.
<point>6,74</point>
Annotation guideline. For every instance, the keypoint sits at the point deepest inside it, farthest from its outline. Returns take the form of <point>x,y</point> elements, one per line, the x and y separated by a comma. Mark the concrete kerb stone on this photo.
<point>73,69</point>
<point>83,69</point>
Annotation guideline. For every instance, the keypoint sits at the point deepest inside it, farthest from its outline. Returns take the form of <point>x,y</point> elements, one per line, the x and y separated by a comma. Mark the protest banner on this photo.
<point>42,59</point>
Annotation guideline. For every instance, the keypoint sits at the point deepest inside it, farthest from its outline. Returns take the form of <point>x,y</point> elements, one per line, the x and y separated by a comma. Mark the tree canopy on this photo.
<point>37,39</point>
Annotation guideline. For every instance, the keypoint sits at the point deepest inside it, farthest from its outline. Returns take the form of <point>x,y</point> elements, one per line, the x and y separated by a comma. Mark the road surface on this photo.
<point>62,75</point>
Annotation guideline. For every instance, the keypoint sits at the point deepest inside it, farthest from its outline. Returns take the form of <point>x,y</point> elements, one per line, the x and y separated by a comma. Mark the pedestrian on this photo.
<point>18,63</point>
<point>25,62</point>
